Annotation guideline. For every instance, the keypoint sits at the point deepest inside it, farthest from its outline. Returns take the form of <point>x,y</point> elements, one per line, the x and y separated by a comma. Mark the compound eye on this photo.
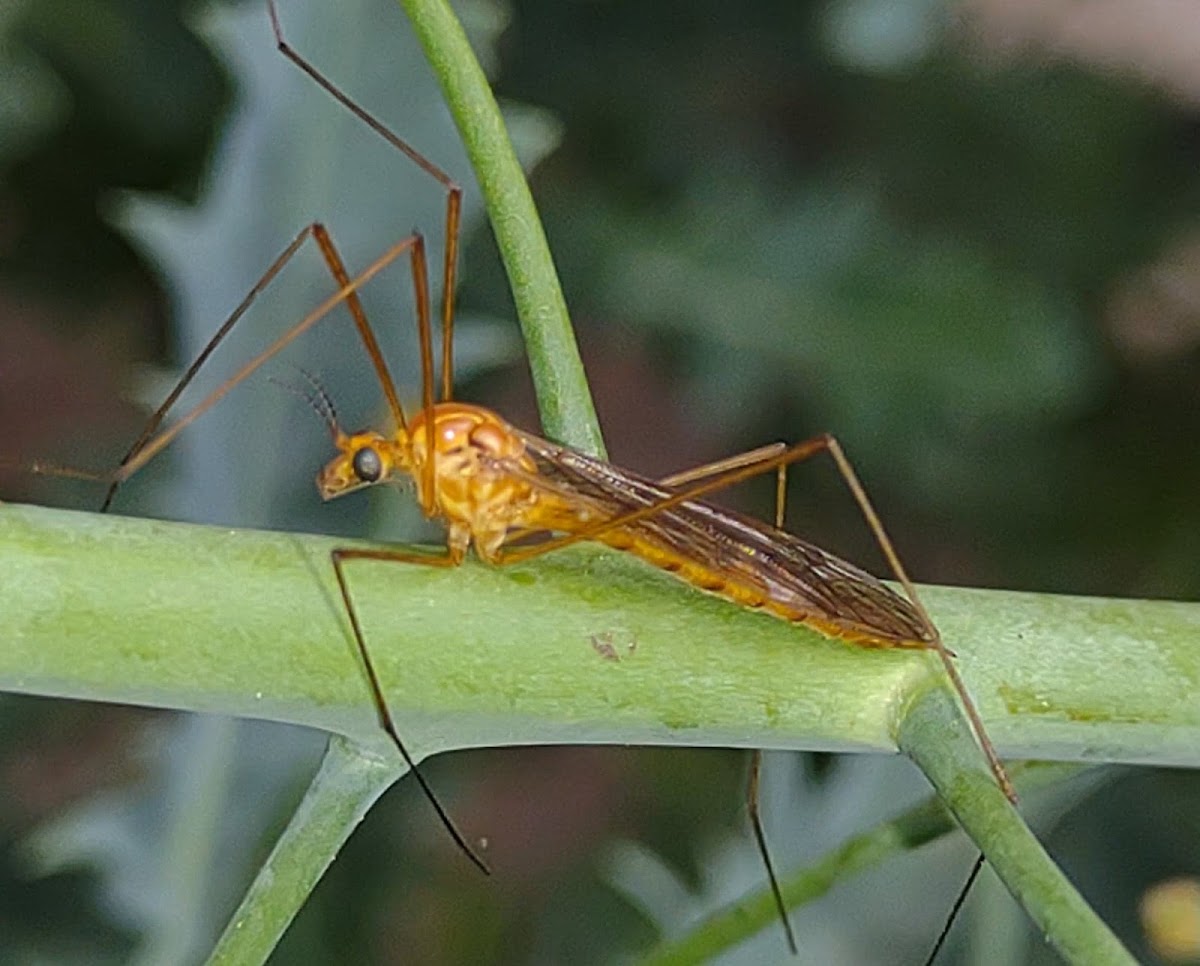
<point>368,467</point>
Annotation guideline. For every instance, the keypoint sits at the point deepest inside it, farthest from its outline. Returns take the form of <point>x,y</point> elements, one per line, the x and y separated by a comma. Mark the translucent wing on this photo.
<point>801,580</point>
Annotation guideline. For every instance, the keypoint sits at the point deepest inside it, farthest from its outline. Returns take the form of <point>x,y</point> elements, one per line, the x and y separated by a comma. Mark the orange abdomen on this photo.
<point>743,593</point>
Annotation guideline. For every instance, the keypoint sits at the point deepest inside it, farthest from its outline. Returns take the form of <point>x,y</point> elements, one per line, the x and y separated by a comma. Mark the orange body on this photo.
<point>490,479</point>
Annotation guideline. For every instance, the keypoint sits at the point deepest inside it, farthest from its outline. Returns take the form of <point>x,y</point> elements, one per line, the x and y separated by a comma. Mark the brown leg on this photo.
<point>154,439</point>
<point>760,837</point>
<point>749,458</point>
<point>339,558</point>
<point>707,471</point>
<point>954,909</point>
<point>452,189</point>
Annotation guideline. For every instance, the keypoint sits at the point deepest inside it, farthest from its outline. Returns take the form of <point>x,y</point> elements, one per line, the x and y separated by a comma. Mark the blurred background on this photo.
<point>965,238</point>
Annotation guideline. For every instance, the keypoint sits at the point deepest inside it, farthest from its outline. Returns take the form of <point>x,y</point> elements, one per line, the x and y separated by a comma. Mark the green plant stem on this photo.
<point>347,784</point>
<point>564,399</point>
<point>934,735</point>
<point>250,623</point>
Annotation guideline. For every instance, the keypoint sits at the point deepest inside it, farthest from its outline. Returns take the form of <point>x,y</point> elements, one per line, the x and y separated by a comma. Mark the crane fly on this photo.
<point>493,485</point>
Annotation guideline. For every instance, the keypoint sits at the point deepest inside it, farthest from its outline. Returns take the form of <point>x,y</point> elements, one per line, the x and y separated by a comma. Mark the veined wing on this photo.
<point>801,580</point>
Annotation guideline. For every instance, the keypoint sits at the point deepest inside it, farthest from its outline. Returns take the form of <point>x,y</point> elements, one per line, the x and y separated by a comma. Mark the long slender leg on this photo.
<point>754,457</point>
<point>333,260</point>
<point>760,839</point>
<point>134,459</point>
<point>158,441</point>
<point>421,278</point>
<point>421,289</point>
<point>146,440</point>
<point>452,189</point>
<point>339,558</point>
<point>749,458</point>
<point>149,444</point>
<point>715,468</point>
<point>160,413</point>
<point>388,725</point>
<point>151,441</point>
<point>753,802</point>
<point>707,471</point>
<point>976,868</point>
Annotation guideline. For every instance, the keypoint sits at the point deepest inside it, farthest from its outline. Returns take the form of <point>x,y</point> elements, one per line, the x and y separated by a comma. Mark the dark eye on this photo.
<point>368,467</point>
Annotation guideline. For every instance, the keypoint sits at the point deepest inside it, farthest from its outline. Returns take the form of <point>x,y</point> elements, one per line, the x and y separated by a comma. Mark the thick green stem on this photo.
<point>250,623</point>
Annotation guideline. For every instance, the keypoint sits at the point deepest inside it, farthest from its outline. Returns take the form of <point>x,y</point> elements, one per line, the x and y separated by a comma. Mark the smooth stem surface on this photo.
<point>564,399</point>
<point>249,623</point>
<point>934,735</point>
<point>345,787</point>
